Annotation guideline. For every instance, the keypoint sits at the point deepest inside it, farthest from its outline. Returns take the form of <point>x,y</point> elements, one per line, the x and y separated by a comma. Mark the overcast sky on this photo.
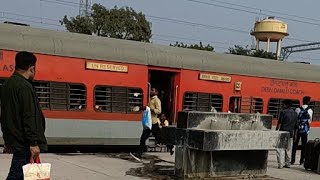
<point>224,23</point>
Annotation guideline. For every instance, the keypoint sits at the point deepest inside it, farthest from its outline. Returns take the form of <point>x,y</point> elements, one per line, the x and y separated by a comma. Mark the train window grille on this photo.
<point>42,90</point>
<point>77,97</point>
<point>118,99</point>
<point>257,105</point>
<point>217,102</point>
<point>315,106</point>
<point>60,96</point>
<point>275,106</point>
<point>135,100</point>
<point>190,101</point>
<point>202,102</point>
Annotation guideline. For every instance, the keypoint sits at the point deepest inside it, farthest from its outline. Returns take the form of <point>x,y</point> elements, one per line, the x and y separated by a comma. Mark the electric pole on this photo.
<point>85,7</point>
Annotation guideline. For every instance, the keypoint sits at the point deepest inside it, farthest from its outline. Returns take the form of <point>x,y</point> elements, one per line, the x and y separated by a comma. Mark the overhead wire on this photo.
<point>62,2</point>
<point>250,12</point>
<point>265,10</point>
<point>189,23</point>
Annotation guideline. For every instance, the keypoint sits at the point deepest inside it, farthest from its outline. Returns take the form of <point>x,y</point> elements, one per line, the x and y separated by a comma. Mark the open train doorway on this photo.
<point>164,82</point>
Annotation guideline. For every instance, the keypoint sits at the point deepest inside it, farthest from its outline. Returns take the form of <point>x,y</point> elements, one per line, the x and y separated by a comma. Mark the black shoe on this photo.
<point>286,166</point>
<point>292,162</point>
<point>301,162</point>
<point>171,153</point>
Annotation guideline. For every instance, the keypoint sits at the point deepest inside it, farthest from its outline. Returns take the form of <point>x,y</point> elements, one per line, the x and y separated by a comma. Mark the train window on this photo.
<point>275,106</point>
<point>103,99</point>
<point>60,96</point>
<point>216,102</point>
<point>77,97</point>
<point>118,99</point>
<point>315,106</point>
<point>190,101</point>
<point>43,93</point>
<point>202,102</point>
<point>135,100</point>
<point>257,105</point>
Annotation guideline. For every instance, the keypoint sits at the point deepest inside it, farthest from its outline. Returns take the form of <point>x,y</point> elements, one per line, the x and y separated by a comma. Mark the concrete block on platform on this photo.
<point>215,140</point>
<point>191,163</point>
<point>223,121</point>
<point>223,144</point>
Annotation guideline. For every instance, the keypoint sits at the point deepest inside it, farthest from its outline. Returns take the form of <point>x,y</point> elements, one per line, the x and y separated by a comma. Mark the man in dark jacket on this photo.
<point>22,121</point>
<point>287,122</point>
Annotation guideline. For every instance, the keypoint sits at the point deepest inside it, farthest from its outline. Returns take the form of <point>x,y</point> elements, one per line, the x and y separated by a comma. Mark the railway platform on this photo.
<point>120,166</point>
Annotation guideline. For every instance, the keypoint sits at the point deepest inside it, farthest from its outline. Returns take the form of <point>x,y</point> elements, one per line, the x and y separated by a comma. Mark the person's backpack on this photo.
<point>303,121</point>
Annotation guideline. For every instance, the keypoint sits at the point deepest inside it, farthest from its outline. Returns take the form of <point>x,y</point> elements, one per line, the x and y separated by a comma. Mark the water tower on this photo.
<point>270,30</point>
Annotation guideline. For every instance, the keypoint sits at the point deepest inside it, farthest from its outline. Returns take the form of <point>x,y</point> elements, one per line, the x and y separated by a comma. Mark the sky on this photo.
<point>221,23</point>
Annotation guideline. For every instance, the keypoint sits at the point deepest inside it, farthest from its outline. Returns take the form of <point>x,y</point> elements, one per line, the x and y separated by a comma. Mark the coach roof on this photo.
<point>42,41</point>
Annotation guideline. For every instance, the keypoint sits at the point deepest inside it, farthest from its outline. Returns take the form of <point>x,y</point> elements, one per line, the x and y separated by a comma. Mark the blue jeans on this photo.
<point>21,157</point>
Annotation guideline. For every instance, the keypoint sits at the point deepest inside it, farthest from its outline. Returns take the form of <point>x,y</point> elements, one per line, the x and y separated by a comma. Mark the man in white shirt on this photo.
<point>304,120</point>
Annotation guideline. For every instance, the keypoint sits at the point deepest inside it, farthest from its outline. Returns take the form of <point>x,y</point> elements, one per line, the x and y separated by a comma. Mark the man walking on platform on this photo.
<point>287,122</point>
<point>155,108</point>
<point>22,121</point>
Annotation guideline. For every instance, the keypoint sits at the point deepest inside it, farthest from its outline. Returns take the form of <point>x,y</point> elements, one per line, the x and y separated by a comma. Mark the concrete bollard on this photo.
<point>222,144</point>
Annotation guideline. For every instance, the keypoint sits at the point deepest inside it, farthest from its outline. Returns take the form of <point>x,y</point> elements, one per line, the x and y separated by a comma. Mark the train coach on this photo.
<point>91,88</point>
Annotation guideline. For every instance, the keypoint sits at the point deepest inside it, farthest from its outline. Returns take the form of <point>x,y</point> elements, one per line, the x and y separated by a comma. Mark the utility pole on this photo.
<point>85,7</point>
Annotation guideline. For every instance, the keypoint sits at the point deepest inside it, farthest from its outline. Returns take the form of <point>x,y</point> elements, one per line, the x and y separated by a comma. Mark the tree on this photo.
<point>245,51</point>
<point>193,46</point>
<point>122,23</point>
<point>239,50</point>
<point>78,24</point>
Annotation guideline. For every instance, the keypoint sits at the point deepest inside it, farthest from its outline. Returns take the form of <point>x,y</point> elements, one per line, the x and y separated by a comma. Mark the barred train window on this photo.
<point>118,99</point>
<point>275,106</point>
<point>202,102</point>
<point>61,96</point>
<point>43,92</point>
<point>315,106</point>
<point>257,105</point>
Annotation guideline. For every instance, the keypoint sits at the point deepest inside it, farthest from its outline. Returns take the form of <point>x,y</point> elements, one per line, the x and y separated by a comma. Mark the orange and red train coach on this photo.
<point>91,88</point>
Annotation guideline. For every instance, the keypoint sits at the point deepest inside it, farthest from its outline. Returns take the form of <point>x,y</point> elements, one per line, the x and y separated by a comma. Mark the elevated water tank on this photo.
<point>270,30</point>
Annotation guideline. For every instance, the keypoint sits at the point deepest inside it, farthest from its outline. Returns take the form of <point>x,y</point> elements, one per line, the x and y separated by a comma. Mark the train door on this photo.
<point>166,83</point>
<point>235,104</point>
